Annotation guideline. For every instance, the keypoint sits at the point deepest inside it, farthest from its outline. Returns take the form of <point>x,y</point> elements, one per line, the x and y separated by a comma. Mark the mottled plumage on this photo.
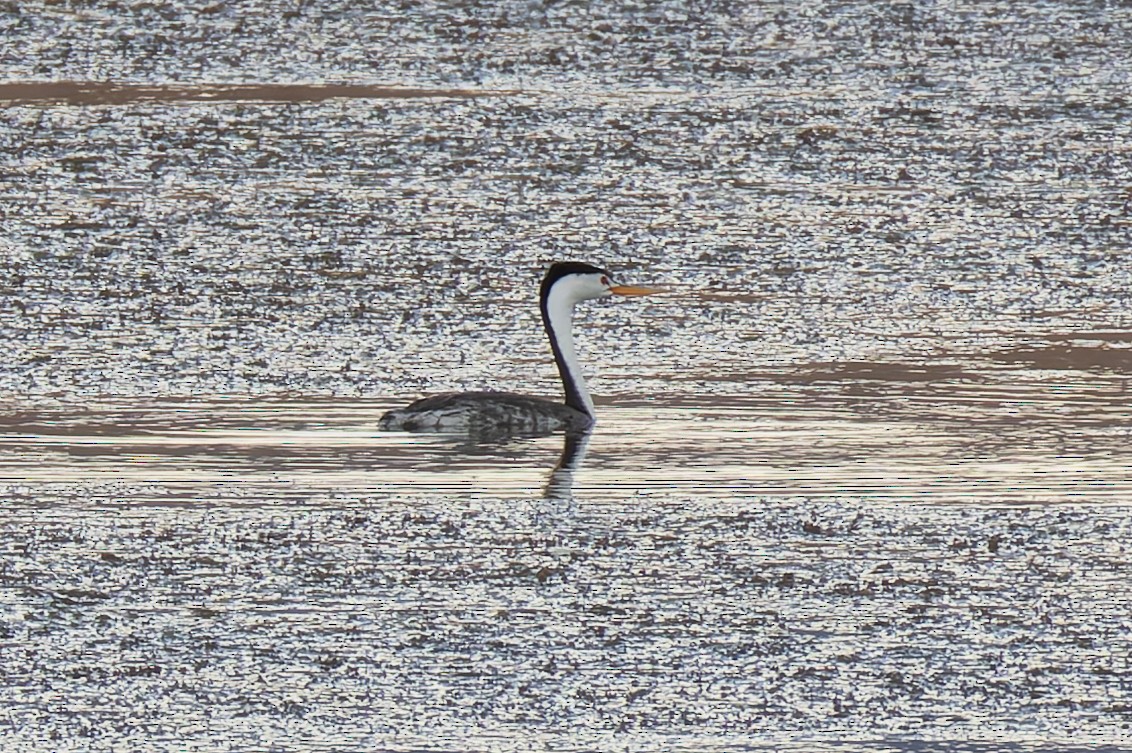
<point>502,412</point>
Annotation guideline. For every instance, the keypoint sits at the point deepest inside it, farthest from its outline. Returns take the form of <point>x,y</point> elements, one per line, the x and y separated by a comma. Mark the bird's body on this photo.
<point>505,413</point>
<point>488,412</point>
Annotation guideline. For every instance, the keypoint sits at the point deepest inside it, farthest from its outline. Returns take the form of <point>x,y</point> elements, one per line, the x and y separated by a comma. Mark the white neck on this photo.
<point>559,324</point>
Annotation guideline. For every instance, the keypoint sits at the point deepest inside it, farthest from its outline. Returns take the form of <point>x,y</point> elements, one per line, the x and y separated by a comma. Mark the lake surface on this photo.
<point>860,481</point>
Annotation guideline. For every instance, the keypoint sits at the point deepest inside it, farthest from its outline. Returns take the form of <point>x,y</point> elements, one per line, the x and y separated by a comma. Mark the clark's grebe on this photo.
<point>565,284</point>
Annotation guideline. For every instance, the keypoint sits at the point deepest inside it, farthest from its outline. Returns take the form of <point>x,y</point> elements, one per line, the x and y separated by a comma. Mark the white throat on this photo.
<point>560,316</point>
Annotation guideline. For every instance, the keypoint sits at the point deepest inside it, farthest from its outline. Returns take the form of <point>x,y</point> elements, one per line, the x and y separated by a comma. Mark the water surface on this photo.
<point>786,568</point>
<point>859,483</point>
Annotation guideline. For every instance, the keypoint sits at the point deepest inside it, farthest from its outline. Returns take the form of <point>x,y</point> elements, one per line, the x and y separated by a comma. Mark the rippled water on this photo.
<point>714,576</point>
<point>860,482</point>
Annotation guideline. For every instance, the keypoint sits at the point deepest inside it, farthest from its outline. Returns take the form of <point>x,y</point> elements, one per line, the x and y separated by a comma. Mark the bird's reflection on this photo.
<point>560,485</point>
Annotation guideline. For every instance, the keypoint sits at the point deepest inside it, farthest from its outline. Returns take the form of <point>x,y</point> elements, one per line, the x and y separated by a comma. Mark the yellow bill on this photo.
<point>634,290</point>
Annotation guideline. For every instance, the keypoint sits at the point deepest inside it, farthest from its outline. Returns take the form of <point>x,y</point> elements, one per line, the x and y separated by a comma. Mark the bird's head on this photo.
<point>583,282</point>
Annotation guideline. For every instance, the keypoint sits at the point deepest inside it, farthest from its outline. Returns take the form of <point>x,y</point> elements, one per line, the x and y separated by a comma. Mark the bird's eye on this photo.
<point>605,281</point>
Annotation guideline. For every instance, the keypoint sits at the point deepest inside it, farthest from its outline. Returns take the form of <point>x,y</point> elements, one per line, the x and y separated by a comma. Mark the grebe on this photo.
<point>503,413</point>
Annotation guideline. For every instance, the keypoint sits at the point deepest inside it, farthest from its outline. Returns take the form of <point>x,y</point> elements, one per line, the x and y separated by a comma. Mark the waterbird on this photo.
<point>504,413</point>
